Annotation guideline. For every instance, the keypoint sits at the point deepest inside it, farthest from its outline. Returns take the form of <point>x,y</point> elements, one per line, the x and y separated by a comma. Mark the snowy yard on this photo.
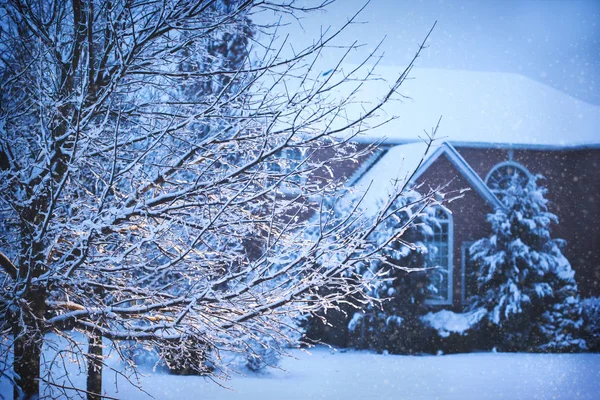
<point>325,374</point>
<point>188,179</point>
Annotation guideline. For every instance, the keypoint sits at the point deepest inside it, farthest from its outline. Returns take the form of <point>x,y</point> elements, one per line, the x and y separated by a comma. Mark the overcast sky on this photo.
<point>554,42</point>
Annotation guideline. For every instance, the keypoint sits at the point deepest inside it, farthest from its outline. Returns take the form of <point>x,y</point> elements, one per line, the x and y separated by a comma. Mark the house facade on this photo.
<point>493,127</point>
<point>571,176</point>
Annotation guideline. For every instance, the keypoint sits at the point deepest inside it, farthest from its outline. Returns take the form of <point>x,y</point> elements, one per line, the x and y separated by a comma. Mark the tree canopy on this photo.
<point>147,191</point>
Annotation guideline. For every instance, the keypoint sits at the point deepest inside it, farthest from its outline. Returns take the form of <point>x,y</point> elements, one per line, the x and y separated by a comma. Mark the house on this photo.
<point>494,125</point>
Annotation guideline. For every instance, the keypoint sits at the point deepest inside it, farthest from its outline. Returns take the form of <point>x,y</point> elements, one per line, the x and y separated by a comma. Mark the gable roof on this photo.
<point>465,169</point>
<point>479,108</point>
<point>390,169</point>
<point>396,166</point>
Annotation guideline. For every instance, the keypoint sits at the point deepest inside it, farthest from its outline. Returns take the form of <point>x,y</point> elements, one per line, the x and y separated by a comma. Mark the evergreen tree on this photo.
<point>218,50</point>
<point>394,324</point>
<point>560,326</point>
<point>525,282</point>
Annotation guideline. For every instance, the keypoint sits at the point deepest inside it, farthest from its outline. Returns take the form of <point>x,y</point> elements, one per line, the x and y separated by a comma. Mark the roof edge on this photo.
<point>463,167</point>
<point>494,145</point>
<point>378,153</point>
<point>525,146</point>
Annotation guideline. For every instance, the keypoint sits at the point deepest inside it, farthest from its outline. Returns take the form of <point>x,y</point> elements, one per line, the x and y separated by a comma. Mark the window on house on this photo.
<point>501,176</point>
<point>287,161</point>
<point>440,259</point>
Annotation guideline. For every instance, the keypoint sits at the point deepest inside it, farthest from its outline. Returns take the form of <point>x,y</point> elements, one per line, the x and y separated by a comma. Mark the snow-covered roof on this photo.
<point>400,163</point>
<point>393,168</point>
<point>477,108</point>
<point>480,107</point>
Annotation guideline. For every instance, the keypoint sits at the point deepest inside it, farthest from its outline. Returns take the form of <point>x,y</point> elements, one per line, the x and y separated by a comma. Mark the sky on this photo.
<point>551,41</point>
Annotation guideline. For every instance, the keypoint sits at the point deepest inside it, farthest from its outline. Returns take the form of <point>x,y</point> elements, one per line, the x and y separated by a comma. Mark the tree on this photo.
<point>525,282</point>
<point>399,281</point>
<point>137,189</point>
<point>561,323</point>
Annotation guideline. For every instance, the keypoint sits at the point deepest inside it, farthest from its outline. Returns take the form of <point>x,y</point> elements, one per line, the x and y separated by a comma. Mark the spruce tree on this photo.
<point>561,324</point>
<point>525,282</point>
<point>400,282</point>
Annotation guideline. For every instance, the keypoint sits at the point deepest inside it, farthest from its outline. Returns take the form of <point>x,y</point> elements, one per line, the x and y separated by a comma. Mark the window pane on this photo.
<point>439,246</point>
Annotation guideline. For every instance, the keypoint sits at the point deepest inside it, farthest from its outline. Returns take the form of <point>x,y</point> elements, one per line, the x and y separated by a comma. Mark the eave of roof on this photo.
<point>464,168</point>
<point>367,175</point>
<point>521,146</point>
<point>483,144</point>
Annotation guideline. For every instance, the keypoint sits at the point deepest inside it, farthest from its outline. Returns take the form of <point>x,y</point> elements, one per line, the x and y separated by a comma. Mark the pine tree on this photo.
<point>525,282</point>
<point>394,324</point>
<point>560,326</point>
<point>219,50</point>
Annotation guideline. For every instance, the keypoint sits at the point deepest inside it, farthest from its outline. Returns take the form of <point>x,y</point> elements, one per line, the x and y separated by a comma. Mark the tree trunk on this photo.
<point>94,372</point>
<point>28,350</point>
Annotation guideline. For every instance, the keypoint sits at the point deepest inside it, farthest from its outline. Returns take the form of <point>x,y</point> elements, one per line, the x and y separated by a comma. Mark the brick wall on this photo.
<point>573,181</point>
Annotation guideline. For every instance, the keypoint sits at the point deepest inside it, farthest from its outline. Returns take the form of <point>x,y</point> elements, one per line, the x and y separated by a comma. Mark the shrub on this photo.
<point>591,322</point>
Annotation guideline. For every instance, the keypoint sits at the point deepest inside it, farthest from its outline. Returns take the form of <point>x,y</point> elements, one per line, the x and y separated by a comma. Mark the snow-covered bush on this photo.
<point>455,332</point>
<point>264,348</point>
<point>591,322</point>
<point>264,354</point>
<point>135,353</point>
<point>393,324</point>
<point>446,322</point>
<point>525,283</point>
<point>187,357</point>
<point>399,282</point>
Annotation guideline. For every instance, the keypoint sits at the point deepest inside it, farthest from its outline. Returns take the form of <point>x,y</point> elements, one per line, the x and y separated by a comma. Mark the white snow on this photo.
<point>355,321</point>
<point>446,322</point>
<point>329,374</point>
<point>394,168</point>
<point>490,107</point>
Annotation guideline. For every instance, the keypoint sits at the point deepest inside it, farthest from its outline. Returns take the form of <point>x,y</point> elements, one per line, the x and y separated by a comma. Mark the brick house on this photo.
<point>494,125</point>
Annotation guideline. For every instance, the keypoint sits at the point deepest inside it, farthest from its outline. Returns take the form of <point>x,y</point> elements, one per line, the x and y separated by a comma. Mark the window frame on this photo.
<point>450,299</point>
<point>508,163</point>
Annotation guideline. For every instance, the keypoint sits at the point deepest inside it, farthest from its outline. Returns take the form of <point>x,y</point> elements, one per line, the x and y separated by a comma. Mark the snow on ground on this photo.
<point>328,374</point>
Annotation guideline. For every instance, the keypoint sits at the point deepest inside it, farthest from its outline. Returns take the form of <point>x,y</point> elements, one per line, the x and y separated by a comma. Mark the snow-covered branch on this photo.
<point>167,176</point>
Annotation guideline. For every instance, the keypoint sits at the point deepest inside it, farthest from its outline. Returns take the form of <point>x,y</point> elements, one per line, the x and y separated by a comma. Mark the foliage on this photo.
<point>399,281</point>
<point>591,322</point>
<point>525,282</point>
<point>138,192</point>
<point>264,354</point>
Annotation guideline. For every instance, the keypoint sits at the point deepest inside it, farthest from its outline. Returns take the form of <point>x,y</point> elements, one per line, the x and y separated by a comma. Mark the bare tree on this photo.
<point>146,188</point>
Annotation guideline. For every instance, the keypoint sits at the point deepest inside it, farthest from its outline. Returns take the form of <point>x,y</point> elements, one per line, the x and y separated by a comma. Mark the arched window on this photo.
<point>503,174</point>
<point>440,258</point>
